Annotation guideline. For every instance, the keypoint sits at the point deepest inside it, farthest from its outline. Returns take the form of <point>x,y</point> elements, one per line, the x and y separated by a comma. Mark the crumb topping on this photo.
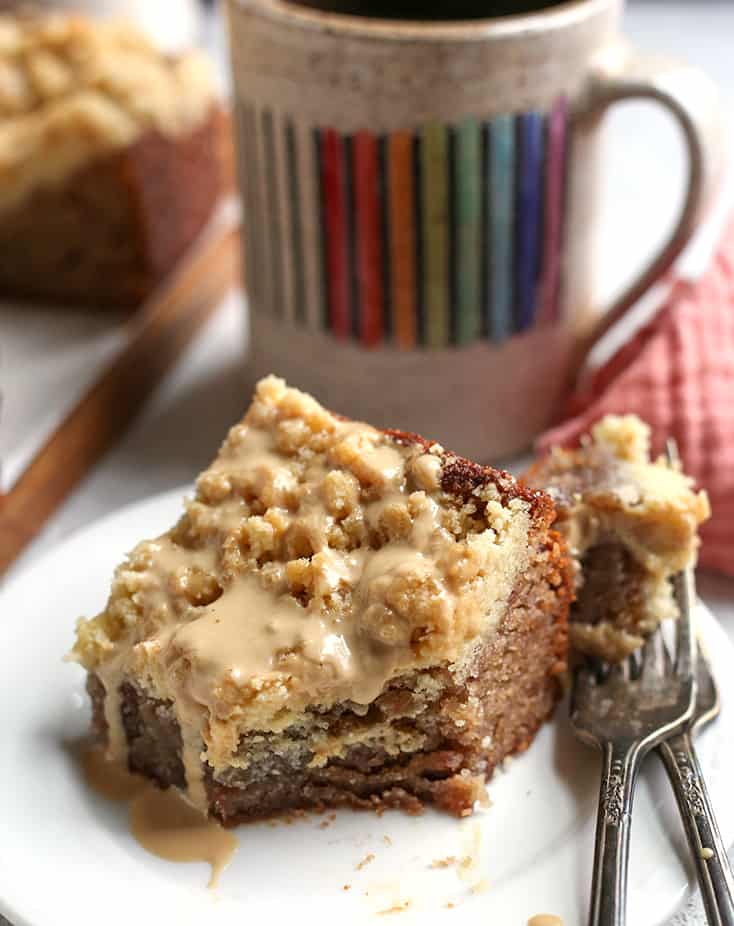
<point>319,559</point>
<point>72,89</point>
<point>612,487</point>
<point>630,522</point>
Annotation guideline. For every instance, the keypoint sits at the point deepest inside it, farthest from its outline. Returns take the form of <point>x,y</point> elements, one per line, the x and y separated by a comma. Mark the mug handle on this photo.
<point>692,98</point>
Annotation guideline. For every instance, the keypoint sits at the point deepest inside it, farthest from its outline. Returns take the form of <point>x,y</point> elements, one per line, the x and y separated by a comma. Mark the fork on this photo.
<point>625,711</point>
<point>681,763</point>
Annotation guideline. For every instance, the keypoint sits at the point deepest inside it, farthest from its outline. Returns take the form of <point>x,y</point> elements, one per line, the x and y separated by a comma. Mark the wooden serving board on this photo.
<point>155,336</point>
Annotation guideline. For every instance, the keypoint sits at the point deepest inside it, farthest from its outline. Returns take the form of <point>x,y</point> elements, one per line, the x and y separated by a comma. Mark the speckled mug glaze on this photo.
<point>420,201</point>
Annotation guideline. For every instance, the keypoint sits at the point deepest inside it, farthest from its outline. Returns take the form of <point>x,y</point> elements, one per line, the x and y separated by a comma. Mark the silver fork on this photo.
<point>681,763</point>
<point>626,711</point>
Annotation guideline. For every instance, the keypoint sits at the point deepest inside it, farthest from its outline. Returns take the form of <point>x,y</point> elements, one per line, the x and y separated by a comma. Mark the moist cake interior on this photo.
<point>630,523</point>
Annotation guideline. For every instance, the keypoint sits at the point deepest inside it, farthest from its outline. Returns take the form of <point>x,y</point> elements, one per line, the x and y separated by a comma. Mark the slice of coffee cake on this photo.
<point>111,158</point>
<point>630,524</point>
<point>342,616</point>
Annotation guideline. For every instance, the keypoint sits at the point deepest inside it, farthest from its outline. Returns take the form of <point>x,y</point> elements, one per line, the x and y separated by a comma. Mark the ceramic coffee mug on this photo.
<point>420,203</point>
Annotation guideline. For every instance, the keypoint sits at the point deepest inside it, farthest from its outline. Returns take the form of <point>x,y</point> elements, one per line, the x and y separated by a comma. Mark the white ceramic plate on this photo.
<point>66,856</point>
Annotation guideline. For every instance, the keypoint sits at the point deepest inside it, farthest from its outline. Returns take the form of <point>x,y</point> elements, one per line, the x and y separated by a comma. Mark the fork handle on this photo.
<point>714,874</point>
<point>614,818</point>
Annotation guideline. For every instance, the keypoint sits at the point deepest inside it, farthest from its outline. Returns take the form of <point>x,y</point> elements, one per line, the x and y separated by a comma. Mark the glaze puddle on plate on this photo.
<point>161,821</point>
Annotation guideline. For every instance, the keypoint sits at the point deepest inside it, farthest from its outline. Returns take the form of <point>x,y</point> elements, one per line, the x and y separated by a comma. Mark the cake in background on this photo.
<point>110,159</point>
<point>342,616</point>
<point>173,26</point>
<point>630,523</point>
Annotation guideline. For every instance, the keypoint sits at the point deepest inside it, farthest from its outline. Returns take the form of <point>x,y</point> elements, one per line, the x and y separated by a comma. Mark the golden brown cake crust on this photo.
<point>73,89</point>
<point>461,477</point>
<point>515,684</point>
<point>338,604</point>
<point>112,232</point>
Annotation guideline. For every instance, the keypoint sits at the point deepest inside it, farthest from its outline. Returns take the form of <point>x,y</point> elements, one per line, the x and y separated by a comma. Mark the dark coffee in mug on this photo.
<point>429,9</point>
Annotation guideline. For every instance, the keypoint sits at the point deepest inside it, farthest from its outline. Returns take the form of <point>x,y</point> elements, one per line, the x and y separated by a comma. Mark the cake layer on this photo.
<point>424,739</point>
<point>342,615</point>
<point>73,89</point>
<point>630,524</point>
<point>115,229</point>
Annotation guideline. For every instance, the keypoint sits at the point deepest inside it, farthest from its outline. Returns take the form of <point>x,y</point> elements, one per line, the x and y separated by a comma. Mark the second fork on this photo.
<point>681,763</point>
<point>626,714</point>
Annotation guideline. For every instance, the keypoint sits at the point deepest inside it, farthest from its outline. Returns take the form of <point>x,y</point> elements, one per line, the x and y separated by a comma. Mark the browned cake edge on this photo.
<point>470,727</point>
<point>117,226</point>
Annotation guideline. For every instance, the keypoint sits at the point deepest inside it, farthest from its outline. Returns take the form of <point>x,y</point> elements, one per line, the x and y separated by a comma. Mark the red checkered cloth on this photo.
<point>677,374</point>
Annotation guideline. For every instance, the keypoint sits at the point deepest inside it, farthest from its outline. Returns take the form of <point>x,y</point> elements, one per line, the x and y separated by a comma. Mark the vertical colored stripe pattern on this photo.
<point>368,238</point>
<point>335,222</point>
<point>555,194</point>
<point>467,193</point>
<point>435,232</point>
<point>528,217</point>
<point>273,228</point>
<point>435,237</point>
<point>401,238</point>
<point>501,233</point>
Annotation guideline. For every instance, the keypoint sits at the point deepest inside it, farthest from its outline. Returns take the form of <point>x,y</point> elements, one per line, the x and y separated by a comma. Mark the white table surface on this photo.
<point>181,426</point>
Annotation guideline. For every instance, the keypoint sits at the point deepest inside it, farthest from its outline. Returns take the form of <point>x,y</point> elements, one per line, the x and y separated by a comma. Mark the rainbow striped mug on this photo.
<point>420,205</point>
